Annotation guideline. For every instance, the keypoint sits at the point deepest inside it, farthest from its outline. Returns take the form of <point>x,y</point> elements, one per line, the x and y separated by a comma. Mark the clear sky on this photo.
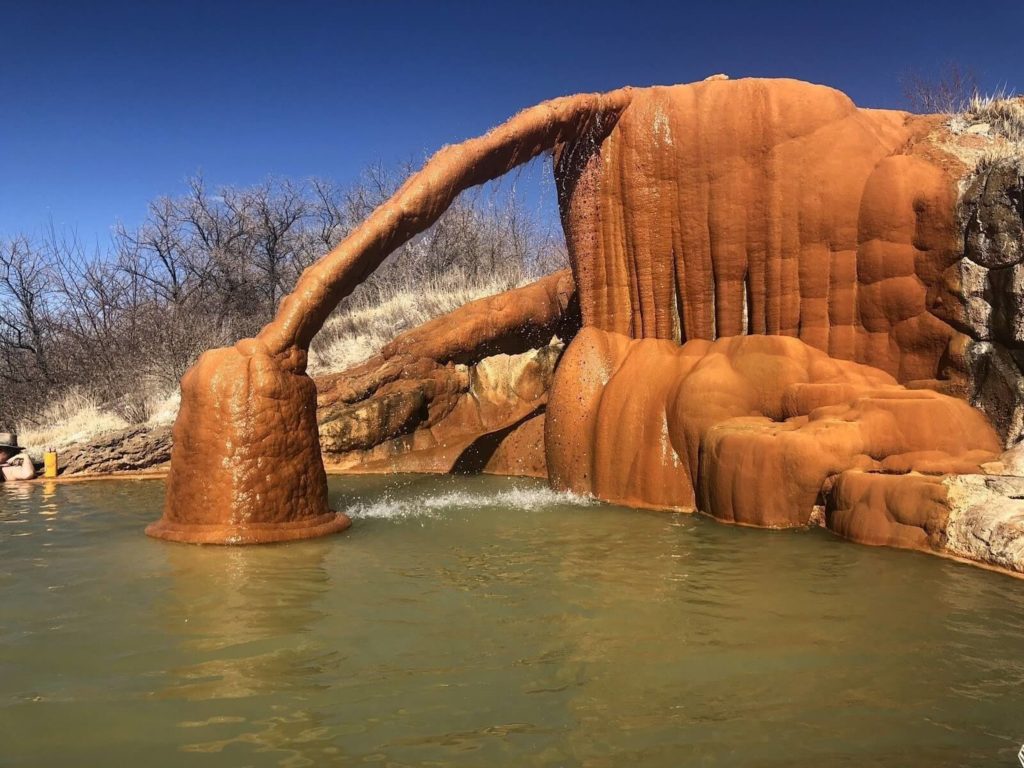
<point>105,105</point>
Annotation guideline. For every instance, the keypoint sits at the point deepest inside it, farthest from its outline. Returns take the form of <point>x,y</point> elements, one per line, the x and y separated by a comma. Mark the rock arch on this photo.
<point>246,464</point>
<point>694,214</point>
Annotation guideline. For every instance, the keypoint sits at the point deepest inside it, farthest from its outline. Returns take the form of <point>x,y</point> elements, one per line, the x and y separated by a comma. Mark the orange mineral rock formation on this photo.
<point>246,464</point>
<point>748,429</point>
<point>775,286</point>
<point>753,206</point>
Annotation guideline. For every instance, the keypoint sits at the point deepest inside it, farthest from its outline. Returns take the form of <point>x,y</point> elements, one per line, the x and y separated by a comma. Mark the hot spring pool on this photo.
<point>490,622</point>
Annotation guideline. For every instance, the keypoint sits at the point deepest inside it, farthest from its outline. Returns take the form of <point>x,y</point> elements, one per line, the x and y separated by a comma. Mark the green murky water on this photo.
<point>489,622</point>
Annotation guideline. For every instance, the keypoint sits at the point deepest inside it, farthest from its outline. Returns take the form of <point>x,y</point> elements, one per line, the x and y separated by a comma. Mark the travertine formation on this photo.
<point>787,304</point>
<point>975,517</point>
<point>749,429</point>
<point>765,207</point>
<point>246,463</point>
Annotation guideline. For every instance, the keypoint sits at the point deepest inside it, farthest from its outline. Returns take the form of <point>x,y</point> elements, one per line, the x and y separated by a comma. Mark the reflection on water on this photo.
<point>481,621</point>
<point>234,606</point>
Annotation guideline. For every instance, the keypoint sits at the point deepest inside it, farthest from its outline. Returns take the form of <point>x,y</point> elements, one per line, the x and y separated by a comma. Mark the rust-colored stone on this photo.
<point>509,323</point>
<point>438,418</point>
<point>748,429</point>
<point>251,471</point>
<point>756,206</point>
<point>771,284</point>
<point>907,511</point>
<point>450,395</point>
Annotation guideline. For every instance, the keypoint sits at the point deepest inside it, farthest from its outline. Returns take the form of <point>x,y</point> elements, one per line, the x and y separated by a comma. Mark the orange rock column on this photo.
<point>246,466</point>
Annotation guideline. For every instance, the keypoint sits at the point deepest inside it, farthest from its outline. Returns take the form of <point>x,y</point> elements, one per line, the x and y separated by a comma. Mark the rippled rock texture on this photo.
<point>246,460</point>
<point>976,517</point>
<point>749,429</point>
<point>764,207</point>
<point>253,473</point>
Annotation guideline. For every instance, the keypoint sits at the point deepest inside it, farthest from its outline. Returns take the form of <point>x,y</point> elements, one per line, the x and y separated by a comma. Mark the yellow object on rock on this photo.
<point>50,464</point>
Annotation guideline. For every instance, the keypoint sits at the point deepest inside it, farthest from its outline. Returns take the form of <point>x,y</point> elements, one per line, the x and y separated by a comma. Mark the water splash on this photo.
<point>433,504</point>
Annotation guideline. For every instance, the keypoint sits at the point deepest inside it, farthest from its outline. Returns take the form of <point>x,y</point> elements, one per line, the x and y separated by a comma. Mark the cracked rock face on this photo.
<point>986,519</point>
<point>989,296</point>
<point>125,450</point>
<point>993,206</point>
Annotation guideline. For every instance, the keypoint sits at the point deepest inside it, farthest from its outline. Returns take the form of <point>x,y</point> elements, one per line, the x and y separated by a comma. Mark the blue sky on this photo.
<point>105,105</point>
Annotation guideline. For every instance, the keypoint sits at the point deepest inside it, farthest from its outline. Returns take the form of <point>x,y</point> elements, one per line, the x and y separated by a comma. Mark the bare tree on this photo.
<point>25,335</point>
<point>273,215</point>
<point>209,267</point>
<point>944,91</point>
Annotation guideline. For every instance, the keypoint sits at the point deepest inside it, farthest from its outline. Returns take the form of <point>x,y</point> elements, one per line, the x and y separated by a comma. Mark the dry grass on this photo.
<point>997,121</point>
<point>1001,154</point>
<point>999,115</point>
<point>164,409</point>
<point>1004,113</point>
<point>359,331</point>
<point>354,333</point>
<point>74,418</point>
<point>78,417</point>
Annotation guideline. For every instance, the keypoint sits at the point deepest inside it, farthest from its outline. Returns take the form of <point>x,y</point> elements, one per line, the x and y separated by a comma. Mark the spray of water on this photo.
<point>434,504</point>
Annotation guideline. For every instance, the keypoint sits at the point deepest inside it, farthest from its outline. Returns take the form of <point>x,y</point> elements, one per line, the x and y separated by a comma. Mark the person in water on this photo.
<point>15,464</point>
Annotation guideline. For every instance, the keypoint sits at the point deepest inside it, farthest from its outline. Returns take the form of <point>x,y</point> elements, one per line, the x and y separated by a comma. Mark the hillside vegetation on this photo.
<point>97,338</point>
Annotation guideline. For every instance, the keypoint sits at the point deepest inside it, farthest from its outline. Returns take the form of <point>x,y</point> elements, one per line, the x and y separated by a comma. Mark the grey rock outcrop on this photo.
<point>131,449</point>
<point>985,292</point>
<point>986,519</point>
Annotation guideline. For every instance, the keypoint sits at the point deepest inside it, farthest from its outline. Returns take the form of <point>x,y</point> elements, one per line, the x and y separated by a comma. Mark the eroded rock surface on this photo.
<point>231,479</point>
<point>423,416</point>
<point>465,392</point>
<point>756,206</point>
<point>766,207</point>
<point>986,519</point>
<point>973,516</point>
<point>984,292</point>
<point>126,450</point>
<point>907,510</point>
